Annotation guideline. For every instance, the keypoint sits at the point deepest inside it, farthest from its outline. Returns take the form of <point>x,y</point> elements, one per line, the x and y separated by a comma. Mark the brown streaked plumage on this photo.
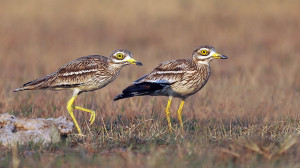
<point>178,78</point>
<point>82,75</point>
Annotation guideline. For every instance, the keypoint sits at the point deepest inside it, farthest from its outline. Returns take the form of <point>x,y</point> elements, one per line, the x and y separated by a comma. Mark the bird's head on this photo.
<point>204,54</point>
<point>124,57</point>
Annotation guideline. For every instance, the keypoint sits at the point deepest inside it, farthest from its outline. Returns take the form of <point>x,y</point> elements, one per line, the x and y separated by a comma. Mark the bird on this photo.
<point>177,78</point>
<point>83,74</point>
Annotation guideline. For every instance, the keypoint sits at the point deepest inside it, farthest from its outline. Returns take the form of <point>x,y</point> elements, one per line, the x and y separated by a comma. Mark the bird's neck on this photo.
<point>112,66</point>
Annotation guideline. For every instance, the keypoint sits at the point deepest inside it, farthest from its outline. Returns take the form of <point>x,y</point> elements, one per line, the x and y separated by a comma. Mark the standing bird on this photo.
<point>178,78</point>
<point>82,75</point>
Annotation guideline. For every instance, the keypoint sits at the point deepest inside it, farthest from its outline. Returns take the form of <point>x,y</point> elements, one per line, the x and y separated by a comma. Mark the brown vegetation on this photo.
<point>247,114</point>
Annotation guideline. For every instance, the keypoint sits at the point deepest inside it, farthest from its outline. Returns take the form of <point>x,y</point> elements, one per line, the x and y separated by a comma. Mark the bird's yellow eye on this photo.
<point>204,52</point>
<point>120,56</point>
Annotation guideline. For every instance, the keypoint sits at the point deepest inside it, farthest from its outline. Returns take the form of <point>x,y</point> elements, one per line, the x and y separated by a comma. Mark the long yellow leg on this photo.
<point>168,113</point>
<point>179,114</point>
<point>70,109</point>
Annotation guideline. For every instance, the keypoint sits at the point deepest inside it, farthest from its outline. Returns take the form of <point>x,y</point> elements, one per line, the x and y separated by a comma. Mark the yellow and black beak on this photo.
<point>219,56</point>
<point>133,61</point>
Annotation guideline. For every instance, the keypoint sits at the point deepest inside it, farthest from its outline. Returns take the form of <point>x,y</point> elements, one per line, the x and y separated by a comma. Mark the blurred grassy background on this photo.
<point>260,81</point>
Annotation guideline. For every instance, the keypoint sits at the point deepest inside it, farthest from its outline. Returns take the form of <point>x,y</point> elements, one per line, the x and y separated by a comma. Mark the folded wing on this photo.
<point>164,75</point>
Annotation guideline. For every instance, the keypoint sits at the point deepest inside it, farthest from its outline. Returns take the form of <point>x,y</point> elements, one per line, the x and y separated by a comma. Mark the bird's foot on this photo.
<point>171,129</point>
<point>92,118</point>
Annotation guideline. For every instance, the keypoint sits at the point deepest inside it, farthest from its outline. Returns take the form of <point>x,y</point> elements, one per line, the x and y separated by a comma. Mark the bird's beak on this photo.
<point>219,56</point>
<point>133,61</point>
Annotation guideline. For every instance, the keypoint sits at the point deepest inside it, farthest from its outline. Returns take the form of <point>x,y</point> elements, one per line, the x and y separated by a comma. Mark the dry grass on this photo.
<point>246,116</point>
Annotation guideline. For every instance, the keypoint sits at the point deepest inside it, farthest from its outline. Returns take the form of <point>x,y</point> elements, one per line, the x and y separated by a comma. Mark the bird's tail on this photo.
<point>35,84</point>
<point>139,89</point>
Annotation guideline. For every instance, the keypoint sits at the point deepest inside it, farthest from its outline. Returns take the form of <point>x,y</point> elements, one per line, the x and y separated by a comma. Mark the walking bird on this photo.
<point>178,78</point>
<point>84,74</point>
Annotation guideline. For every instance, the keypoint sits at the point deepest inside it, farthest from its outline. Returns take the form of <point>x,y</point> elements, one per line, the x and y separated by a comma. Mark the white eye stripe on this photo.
<point>203,57</point>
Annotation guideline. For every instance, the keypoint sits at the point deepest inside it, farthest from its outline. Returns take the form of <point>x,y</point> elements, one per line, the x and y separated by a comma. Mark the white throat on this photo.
<point>206,61</point>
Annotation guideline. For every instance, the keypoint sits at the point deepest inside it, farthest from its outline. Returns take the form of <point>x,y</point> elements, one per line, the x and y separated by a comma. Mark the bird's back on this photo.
<point>86,73</point>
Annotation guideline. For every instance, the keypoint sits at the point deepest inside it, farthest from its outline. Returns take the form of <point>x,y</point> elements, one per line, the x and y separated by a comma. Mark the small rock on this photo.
<point>23,131</point>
